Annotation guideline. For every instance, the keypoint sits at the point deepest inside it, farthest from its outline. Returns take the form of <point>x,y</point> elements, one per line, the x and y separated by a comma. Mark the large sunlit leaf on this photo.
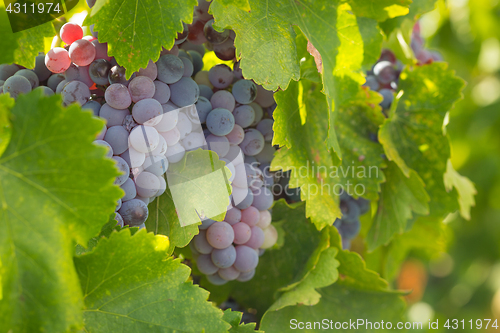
<point>56,187</point>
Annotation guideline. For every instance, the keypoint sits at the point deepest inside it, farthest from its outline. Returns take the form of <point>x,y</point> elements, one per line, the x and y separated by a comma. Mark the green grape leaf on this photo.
<point>6,104</point>
<point>303,149</point>
<point>360,170</point>
<point>56,187</point>
<point>242,4</point>
<point>22,47</point>
<point>465,188</point>
<point>380,10</point>
<point>427,234</point>
<point>400,197</point>
<point>277,268</point>
<point>338,304</point>
<point>234,319</point>
<point>413,136</point>
<point>137,31</point>
<point>417,8</point>
<point>163,220</point>
<point>131,285</point>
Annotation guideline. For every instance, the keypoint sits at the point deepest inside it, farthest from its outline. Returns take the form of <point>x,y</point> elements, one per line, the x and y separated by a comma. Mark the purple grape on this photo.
<point>201,244</point>
<point>229,273</point>
<point>223,99</point>
<point>205,265</point>
<point>244,91</point>
<point>134,212</point>
<point>220,235</point>
<point>246,258</point>
<point>256,239</point>
<point>224,258</point>
<point>212,35</point>
<point>220,76</point>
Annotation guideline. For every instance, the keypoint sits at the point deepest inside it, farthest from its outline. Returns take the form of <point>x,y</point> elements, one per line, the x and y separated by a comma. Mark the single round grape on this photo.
<point>71,32</point>
<point>141,87</point>
<point>202,78</point>
<point>259,113</point>
<point>256,238</point>
<point>201,244</point>
<point>206,223</point>
<point>40,69</point>
<point>265,126</point>
<point>218,144</point>
<point>264,219</point>
<point>117,137</point>
<point>124,169</point>
<point>57,60</point>
<point>130,191</point>
<point>147,184</point>
<point>171,137</point>
<point>134,158</point>
<point>220,76</point>
<point>117,75</point>
<point>184,92</point>
<point>150,71</point>
<point>223,99</point>
<point>162,92</point>
<point>169,120</point>
<point>134,212</point>
<point>30,75</point>
<point>246,201</point>
<point>82,52</point>
<point>99,71</point>
<point>205,265</point>
<point>236,136</point>
<point>75,91</point>
<point>266,155</point>
<point>175,153</point>
<point>244,91</point>
<point>195,35</point>
<point>265,98</point>
<point>388,96</point>
<point>170,68</point>
<point>246,258</point>
<point>229,273</point>
<point>54,80</point>
<point>244,115</point>
<point>16,85</point>
<point>102,143</point>
<point>247,276</point>
<point>263,198</point>
<point>144,139</point>
<point>101,51</point>
<point>385,72</point>
<point>113,117</point>
<point>188,67</point>
<point>220,235</point>
<point>163,186</point>
<point>215,279</point>
<point>206,92</point>
<point>147,111</point>
<point>252,143</point>
<point>212,35</point>
<point>270,237</point>
<point>94,106</point>
<point>372,83</point>
<point>7,71</point>
<point>233,216</point>
<point>242,233</point>
<point>225,51</point>
<point>224,258</point>
<point>220,122</point>
<point>250,216</point>
<point>117,96</point>
<point>197,61</point>
<point>45,90</point>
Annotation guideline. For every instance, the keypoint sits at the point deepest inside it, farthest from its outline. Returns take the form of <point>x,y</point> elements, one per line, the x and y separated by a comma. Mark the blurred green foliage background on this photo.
<point>465,283</point>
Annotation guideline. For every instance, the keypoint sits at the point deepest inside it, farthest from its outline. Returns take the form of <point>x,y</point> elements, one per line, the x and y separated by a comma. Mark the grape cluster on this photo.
<point>238,129</point>
<point>384,75</point>
<point>349,225</point>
